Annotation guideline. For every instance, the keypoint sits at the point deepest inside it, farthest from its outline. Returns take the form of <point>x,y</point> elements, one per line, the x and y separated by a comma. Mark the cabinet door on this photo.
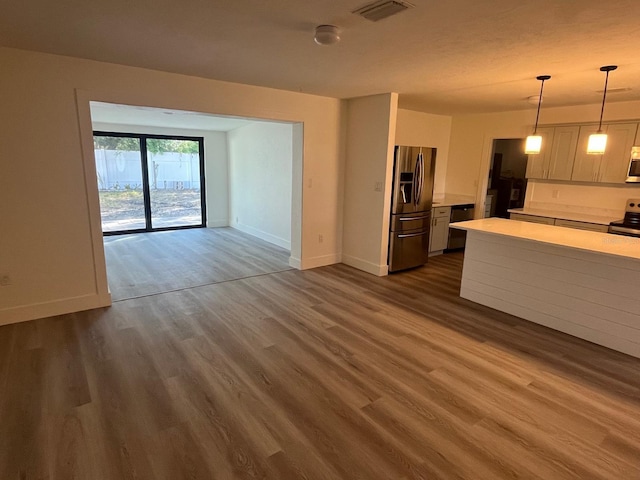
<point>563,152</point>
<point>439,234</point>
<point>615,161</point>
<point>538,165</point>
<point>532,218</point>
<point>586,167</point>
<point>592,227</point>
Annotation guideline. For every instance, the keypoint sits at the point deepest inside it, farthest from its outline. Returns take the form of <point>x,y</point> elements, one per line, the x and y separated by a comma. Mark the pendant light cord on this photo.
<point>535,129</point>
<point>604,97</point>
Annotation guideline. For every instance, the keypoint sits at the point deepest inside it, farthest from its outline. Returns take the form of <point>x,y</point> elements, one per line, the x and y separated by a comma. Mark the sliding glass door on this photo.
<point>120,183</point>
<point>174,182</point>
<point>149,182</point>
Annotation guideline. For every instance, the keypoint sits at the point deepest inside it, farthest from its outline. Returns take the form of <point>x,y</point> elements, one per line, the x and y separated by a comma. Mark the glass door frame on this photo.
<point>146,188</point>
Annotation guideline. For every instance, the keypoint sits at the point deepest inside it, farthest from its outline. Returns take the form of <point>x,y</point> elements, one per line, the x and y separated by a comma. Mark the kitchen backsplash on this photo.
<point>587,199</point>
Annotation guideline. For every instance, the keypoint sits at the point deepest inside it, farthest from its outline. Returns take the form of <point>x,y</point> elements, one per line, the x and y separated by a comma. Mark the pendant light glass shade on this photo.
<point>534,142</point>
<point>598,141</point>
<point>533,145</point>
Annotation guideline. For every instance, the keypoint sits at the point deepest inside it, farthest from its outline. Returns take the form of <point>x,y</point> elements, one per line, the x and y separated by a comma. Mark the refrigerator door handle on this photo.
<point>407,235</point>
<point>409,219</point>
<point>420,178</point>
<point>414,184</point>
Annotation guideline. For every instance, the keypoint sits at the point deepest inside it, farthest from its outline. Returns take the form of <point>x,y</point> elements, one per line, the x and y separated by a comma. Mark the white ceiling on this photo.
<point>449,56</point>
<point>160,117</point>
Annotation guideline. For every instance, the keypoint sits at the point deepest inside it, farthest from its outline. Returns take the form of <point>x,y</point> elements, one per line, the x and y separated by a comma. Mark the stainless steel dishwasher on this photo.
<point>459,213</point>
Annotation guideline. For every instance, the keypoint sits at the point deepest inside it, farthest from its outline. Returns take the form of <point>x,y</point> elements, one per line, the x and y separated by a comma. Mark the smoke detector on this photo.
<point>382,9</point>
<point>326,35</point>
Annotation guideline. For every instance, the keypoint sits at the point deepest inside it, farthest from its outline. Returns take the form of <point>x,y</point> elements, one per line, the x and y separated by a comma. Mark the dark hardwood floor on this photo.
<point>149,263</point>
<point>329,373</point>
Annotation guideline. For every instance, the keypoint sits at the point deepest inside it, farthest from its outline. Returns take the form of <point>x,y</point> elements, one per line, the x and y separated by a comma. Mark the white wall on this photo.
<point>427,130</point>
<point>50,238</point>
<point>260,178</point>
<point>371,139</point>
<point>603,200</point>
<point>215,168</point>
<point>472,138</point>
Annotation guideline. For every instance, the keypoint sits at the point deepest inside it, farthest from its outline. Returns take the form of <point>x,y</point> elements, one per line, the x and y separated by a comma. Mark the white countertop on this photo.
<point>578,217</point>
<point>605,243</point>
<point>450,200</point>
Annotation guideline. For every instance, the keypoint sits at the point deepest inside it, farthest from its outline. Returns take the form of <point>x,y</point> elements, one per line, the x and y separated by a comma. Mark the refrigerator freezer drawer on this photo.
<point>414,221</point>
<point>408,250</point>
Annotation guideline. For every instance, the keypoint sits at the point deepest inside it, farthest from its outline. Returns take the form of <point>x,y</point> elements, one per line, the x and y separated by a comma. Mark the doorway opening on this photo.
<point>158,159</point>
<point>507,182</point>
<point>149,183</point>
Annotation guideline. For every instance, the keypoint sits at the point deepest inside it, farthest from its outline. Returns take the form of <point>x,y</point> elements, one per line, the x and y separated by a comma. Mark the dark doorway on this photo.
<point>507,177</point>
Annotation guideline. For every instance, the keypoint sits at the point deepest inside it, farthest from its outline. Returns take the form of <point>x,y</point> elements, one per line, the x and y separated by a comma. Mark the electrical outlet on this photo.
<point>320,238</point>
<point>5,280</point>
<point>555,194</point>
<point>377,187</point>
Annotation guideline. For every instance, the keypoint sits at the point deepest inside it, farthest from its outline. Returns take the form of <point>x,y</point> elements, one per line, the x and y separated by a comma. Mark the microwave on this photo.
<point>633,176</point>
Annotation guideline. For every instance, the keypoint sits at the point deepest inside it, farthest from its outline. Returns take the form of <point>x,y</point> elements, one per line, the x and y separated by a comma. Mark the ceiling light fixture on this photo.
<point>598,141</point>
<point>534,142</point>
<point>327,35</point>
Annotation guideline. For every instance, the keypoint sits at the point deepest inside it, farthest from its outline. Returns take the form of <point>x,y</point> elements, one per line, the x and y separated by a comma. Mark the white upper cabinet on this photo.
<point>615,161</point>
<point>610,167</point>
<point>564,156</point>
<point>538,165</point>
<point>555,160</point>
<point>586,166</point>
<point>563,149</point>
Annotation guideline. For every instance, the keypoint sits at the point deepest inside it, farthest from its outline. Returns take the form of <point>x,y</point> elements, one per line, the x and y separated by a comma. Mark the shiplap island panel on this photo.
<point>582,283</point>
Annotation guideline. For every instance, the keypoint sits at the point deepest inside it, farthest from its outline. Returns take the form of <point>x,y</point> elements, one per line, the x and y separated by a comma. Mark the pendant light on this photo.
<point>534,142</point>
<point>598,141</point>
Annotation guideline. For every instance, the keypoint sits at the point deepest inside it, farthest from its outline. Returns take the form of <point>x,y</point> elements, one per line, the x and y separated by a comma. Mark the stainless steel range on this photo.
<point>630,224</point>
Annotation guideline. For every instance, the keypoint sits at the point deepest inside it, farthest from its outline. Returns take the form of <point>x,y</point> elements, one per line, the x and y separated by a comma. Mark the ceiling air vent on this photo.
<point>382,9</point>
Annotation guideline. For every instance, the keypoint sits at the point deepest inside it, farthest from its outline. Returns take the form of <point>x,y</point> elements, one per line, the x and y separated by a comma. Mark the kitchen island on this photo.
<point>583,283</point>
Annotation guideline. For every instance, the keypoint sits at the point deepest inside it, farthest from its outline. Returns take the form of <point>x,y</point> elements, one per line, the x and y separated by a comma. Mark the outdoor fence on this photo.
<point>121,170</point>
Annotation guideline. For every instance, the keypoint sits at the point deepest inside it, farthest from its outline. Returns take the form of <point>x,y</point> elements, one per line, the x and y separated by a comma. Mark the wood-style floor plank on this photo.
<point>325,374</point>
<point>150,263</point>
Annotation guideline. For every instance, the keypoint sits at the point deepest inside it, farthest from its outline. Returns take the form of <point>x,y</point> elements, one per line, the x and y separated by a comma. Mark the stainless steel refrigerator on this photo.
<point>411,207</point>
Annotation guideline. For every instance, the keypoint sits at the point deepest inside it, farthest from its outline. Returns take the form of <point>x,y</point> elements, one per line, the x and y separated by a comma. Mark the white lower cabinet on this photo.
<point>532,218</point>
<point>439,235</point>
<point>559,222</point>
<point>592,227</point>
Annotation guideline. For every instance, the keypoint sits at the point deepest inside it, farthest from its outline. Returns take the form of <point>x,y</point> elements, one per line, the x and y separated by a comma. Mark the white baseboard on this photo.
<point>280,242</point>
<point>366,266</point>
<point>295,263</point>
<point>25,313</point>
<point>320,261</point>
<point>217,223</point>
